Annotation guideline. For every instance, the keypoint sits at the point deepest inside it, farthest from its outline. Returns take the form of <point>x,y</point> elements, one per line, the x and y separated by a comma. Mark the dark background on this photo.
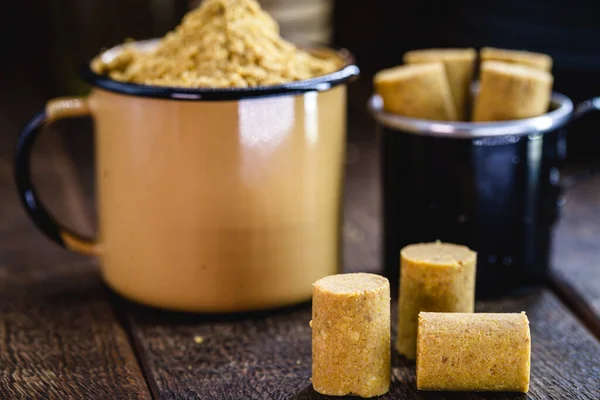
<point>44,43</point>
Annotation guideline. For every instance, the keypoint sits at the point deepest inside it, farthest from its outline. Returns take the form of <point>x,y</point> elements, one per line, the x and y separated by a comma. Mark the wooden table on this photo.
<point>63,334</point>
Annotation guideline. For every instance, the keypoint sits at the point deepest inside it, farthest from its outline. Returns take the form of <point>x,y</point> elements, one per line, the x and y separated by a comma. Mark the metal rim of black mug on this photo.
<point>347,73</point>
<point>562,111</point>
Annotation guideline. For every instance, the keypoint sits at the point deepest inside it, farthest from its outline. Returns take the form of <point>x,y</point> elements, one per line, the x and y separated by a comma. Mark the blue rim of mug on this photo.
<point>561,111</point>
<point>321,83</point>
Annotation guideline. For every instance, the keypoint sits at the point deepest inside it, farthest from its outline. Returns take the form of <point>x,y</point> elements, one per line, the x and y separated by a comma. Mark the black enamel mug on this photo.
<point>493,186</point>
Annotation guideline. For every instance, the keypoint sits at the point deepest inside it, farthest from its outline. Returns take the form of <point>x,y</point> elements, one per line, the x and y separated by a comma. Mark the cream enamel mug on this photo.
<point>209,200</point>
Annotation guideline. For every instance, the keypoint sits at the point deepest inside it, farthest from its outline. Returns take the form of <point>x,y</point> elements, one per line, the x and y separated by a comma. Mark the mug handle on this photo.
<point>67,107</point>
<point>586,106</point>
<point>581,110</point>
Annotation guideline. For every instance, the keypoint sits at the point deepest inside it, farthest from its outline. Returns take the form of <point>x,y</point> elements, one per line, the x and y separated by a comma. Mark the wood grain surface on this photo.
<point>267,355</point>
<point>576,258</point>
<point>59,337</point>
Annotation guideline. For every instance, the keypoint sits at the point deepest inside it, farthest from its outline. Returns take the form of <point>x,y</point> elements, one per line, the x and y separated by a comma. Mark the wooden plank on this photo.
<point>576,258</point>
<point>59,337</point>
<point>268,355</point>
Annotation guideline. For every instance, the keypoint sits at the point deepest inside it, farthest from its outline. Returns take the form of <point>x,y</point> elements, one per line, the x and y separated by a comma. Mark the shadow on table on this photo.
<point>148,315</point>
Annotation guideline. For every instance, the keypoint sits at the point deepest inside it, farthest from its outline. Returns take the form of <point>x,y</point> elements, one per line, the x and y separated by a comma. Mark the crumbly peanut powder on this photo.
<point>223,43</point>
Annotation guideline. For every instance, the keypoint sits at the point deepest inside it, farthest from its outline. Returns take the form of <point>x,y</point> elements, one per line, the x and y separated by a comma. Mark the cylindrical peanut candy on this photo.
<point>417,91</point>
<point>351,335</point>
<point>433,277</point>
<point>511,91</point>
<point>528,58</point>
<point>479,352</point>
<point>459,65</point>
